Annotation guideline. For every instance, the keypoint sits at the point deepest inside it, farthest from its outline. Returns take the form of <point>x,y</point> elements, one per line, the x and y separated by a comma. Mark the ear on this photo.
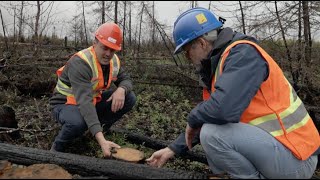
<point>94,42</point>
<point>203,43</point>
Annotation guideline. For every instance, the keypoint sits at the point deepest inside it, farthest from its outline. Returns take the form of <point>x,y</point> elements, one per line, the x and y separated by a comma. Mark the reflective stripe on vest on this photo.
<point>285,118</point>
<point>97,81</point>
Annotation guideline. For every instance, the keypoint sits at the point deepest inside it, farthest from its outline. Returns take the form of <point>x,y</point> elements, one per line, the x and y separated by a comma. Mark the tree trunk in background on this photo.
<point>116,12</point>
<point>20,22</point>
<point>130,28</point>
<point>194,4</point>
<point>124,28</point>
<point>4,32</point>
<point>14,25</point>
<point>242,18</point>
<point>153,26</point>
<point>139,39</point>
<point>84,24</point>
<point>307,33</point>
<point>298,70</point>
<point>284,40</point>
<point>306,79</point>
<point>102,12</point>
<point>36,27</point>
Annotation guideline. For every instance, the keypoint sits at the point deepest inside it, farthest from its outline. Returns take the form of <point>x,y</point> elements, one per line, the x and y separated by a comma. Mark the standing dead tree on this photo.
<point>164,36</point>
<point>116,12</point>
<point>4,31</point>
<point>84,24</point>
<point>242,18</point>
<point>103,12</point>
<point>139,39</point>
<point>20,37</point>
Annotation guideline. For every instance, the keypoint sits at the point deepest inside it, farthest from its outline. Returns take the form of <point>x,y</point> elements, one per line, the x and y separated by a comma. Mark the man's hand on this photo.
<point>118,98</point>
<point>106,146</point>
<point>159,158</point>
<point>190,134</point>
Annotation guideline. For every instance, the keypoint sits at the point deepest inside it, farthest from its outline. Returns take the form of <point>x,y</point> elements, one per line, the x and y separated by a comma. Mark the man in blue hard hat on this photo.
<point>251,123</point>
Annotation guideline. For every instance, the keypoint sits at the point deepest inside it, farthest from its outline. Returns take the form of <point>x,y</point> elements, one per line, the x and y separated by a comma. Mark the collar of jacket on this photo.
<point>208,65</point>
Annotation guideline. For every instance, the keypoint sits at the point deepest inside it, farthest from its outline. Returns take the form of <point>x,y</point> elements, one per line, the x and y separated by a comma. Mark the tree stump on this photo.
<point>8,120</point>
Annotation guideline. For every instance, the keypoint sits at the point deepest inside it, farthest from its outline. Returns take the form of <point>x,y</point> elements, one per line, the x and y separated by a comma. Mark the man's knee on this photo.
<point>211,134</point>
<point>78,126</point>
<point>130,100</point>
<point>205,135</point>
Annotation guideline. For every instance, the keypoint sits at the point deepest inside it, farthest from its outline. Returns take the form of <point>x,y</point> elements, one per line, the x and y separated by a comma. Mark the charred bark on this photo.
<point>90,166</point>
<point>8,120</point>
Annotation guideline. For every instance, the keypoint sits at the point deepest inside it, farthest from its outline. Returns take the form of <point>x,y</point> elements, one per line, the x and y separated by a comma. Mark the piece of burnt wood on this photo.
<point>91,166</point>
<point>8,120</point>
<point>157,144</point>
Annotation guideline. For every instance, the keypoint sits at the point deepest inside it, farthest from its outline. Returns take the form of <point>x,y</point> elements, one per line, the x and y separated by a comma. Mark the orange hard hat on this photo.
<point>110,35</point>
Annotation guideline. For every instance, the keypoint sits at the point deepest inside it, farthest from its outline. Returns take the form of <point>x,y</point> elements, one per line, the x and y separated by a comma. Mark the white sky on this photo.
<point>166,12</point>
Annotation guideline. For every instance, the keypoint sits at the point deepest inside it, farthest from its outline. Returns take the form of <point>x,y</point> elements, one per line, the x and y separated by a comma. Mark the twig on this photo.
<point>37,106</point>
<point>10,130</point>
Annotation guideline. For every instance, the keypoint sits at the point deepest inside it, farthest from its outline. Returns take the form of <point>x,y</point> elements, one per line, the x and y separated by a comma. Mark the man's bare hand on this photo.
<point>190,134</point>
<point>118,98</point>
<point>159,158</point>
<point>106,146</point>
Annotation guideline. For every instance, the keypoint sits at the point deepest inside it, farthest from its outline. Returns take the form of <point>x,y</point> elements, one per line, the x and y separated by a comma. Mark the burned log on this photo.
<point>157,144</point>
<point>91,166</point>
<point>8,120</point>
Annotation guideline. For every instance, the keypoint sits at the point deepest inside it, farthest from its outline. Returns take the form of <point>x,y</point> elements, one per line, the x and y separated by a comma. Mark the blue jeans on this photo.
<point>74,125</point>
<point>247,152</point>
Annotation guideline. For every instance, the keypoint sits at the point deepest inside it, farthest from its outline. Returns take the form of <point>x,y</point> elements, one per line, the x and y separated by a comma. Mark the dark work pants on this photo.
<point>74,125</point>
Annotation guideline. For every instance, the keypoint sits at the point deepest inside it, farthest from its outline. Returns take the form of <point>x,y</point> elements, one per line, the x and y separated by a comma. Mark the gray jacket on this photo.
<point>244,72</point>
<point>78,74</point>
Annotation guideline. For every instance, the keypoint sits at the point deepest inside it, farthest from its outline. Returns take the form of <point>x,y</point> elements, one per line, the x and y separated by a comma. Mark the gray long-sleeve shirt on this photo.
<point>244,72</point>
<point>78,74</point>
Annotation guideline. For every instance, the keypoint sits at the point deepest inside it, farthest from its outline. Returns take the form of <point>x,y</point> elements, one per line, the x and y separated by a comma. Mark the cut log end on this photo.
<point>128,154</point>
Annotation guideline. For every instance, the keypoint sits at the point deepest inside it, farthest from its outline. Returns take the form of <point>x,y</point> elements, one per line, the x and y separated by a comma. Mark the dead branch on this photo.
<point>10,130</point>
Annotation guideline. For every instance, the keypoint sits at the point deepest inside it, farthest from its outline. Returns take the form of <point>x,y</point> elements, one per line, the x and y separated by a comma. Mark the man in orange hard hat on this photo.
<point>83,99</point>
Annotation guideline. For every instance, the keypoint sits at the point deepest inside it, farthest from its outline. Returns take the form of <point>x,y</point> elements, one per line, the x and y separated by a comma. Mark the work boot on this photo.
<point>55,148</point>
<point>52,149</point>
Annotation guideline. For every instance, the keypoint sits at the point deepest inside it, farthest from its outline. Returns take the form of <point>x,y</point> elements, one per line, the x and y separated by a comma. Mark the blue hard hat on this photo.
<point>192,24</point>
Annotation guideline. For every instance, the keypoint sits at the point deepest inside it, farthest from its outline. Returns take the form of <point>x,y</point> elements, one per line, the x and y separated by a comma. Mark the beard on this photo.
<point>197,68</point>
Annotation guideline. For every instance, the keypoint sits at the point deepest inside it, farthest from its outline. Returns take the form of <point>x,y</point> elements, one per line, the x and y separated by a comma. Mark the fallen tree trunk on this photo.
<point>90,166</point>
<point>157,144</point>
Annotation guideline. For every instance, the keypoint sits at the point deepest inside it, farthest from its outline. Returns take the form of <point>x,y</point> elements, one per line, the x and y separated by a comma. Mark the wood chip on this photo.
<point>128,154</point>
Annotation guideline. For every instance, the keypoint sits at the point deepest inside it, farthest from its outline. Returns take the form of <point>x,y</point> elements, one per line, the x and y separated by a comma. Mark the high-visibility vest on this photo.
<point>97,81</point>
<point>277,109</point>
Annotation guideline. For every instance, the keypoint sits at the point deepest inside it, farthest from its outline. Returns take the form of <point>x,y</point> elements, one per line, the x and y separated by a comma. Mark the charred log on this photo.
<point>91,166</point>
<point>8,120</point>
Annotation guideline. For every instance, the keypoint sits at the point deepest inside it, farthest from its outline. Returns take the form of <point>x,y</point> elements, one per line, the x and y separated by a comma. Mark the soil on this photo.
<point>26,84</point>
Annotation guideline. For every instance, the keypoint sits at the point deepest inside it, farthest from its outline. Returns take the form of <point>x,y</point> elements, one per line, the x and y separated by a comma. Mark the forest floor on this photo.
<point>26,84</point>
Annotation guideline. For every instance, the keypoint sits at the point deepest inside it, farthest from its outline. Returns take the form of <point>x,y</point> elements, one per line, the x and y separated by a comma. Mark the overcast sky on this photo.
<point>166,12</point>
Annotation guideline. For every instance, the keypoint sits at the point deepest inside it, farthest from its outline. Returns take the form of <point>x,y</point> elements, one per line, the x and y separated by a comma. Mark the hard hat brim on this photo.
<point>179,47</point>
<point>109,44</point>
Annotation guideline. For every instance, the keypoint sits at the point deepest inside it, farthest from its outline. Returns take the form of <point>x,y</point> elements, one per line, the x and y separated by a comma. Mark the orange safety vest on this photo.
<point>277,109</point>
<point>97,81</point>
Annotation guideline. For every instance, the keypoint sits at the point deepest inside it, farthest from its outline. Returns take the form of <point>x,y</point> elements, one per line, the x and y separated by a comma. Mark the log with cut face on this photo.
<point>127,154</point>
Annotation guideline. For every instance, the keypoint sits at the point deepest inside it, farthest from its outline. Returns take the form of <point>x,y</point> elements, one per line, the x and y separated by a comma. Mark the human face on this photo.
<point>195,51</point>
<point>103,53</point>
